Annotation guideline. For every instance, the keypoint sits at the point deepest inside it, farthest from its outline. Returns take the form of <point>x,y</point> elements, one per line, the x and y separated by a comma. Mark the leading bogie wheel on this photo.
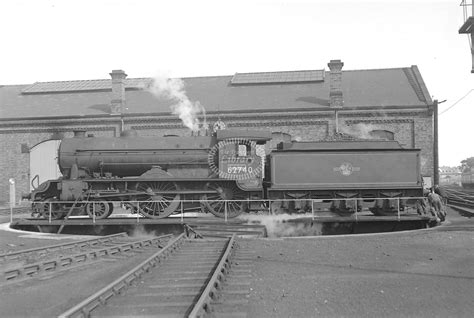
<point>49,208</point>
<point>99,209</point>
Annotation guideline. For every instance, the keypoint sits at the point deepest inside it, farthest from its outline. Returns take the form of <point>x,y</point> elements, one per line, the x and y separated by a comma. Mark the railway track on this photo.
<point>49,249</point>
<point>26,264</point>
<point>15,210</point>
<point>459,197</point>
<point>187,278</point>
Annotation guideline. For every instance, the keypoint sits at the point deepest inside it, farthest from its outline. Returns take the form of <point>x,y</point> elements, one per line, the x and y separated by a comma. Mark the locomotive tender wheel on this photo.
<point>101,209</point>
<point>384,207</point>
<point>222,199</point>
<point>44,208</point>
<point>158,203</point>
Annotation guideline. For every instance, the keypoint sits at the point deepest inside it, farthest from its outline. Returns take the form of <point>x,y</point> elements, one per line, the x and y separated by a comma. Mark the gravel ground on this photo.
<point>425,273</point>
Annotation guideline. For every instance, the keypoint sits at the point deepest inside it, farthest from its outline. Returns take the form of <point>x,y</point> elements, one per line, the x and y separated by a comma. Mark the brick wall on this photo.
<point>424,141</point>
<point>14,163</point>
<point>20,136</point>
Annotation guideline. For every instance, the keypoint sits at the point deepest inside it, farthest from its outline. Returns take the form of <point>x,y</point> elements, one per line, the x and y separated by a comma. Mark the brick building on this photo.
<point>303,105</point>
<point>449,175</point>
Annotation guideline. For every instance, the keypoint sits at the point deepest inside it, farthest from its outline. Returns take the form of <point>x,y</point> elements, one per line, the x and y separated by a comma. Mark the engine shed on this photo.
<point>327,103</point>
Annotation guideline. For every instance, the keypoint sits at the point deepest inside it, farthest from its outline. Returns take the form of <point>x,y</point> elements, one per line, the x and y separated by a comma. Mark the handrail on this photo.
<point>35,178</point>
<point>265,205</point>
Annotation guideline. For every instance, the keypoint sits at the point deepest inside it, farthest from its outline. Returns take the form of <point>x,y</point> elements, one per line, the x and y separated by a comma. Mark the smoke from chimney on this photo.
<point>173,89</point>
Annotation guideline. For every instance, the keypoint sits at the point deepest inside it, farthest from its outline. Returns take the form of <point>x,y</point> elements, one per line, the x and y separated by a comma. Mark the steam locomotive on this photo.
<point>226,173</point>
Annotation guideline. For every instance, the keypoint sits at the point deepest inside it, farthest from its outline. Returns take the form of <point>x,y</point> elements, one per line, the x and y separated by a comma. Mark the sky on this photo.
<point>56,40</point>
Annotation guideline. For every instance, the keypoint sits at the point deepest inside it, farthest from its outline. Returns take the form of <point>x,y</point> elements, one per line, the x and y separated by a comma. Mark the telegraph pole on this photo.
<point>435,144</point>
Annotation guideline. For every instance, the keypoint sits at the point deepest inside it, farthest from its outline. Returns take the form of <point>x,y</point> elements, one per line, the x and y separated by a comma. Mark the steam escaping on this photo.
<point>140,232</point>
<point>285,225</point>
<point>360,130</point>
<point>173,89</point>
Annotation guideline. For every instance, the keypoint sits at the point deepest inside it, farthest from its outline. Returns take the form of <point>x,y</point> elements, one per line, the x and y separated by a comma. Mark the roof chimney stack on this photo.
<point>118,91</point>
<point>335,83</point>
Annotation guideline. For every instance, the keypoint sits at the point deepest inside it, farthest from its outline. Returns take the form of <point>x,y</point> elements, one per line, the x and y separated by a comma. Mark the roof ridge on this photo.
<point>378,69</point>
<point>204,76</point>
<point>90,80</point>
<point>212,76</point>
<point>81,80</point>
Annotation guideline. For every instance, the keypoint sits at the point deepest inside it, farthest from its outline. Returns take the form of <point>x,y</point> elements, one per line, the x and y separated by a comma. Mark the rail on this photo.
<point>459,197</point>
<point>49,248</point>
<point>203,304</point>
<point>188,230</point>
<point>84,308</point>
<point>30,270</point>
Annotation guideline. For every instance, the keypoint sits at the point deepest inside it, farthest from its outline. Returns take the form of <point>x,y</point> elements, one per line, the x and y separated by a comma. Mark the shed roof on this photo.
<point>361,88</point>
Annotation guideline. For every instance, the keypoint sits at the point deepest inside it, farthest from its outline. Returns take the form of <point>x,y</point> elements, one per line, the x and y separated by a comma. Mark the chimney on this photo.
<point>335,83</point>
<point>118,91</point>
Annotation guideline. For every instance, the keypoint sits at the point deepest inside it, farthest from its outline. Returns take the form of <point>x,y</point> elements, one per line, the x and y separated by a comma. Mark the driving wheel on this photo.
<point>160,199</point>
<point>226,198</point>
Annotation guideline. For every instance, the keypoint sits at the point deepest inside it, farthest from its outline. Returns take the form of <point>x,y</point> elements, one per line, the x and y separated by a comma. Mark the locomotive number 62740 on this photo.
<point>237,169</point>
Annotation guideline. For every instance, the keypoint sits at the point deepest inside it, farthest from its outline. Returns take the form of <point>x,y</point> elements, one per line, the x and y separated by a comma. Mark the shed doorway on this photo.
<point>44,162</point>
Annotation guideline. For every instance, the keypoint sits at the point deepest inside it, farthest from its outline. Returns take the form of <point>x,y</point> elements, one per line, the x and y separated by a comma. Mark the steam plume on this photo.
<point>359,130</point>
<point>173,89</point>
<point>278,225</point>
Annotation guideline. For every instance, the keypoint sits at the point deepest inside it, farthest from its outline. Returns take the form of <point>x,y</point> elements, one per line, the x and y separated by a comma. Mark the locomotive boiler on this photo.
<point>230,172</point>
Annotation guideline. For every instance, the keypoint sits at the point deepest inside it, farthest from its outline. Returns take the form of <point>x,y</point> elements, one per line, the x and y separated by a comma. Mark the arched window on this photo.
<point>382,134</point>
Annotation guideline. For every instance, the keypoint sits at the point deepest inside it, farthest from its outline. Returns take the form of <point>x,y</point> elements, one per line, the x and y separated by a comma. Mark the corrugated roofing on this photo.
<point>361,88</point>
